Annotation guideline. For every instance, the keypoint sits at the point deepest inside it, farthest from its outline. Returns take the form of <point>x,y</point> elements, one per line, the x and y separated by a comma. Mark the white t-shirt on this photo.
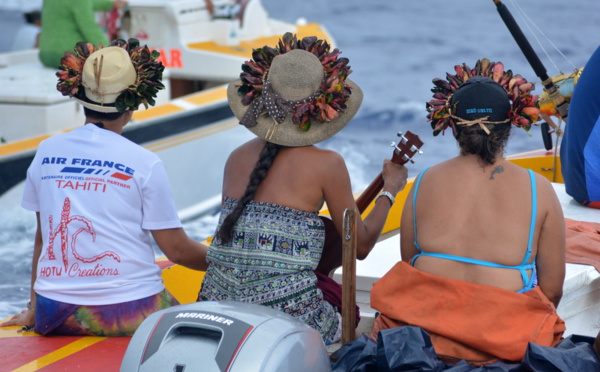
<point>26,37</point>
<point>98,195</point>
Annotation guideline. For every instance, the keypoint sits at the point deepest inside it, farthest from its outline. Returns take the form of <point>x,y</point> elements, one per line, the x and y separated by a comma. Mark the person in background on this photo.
<point>482,240</point>
<point>269,239</point>
<point>98,197</point>
<point>28,36</point>
<point>66,22</point>
<point>33,17</point>
<point>580,146</point>
<point>19,30</point>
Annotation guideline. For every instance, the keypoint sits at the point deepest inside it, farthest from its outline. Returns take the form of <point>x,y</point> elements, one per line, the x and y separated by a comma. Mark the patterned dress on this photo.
<point>270,261</point>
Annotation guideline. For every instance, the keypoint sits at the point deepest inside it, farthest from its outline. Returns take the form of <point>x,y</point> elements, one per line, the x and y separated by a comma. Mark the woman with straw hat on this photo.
<point>269,238</point>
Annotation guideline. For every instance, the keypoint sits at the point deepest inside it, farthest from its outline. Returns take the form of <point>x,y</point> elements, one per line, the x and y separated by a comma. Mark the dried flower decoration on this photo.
<point>325,106</point>
<point>149,74</point>
<point>524,111</point>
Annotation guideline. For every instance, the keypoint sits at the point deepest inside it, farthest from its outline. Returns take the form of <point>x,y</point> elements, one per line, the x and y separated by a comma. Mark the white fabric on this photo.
<point>16,33</point>
<point>26,37</point>
<point>98,195</point>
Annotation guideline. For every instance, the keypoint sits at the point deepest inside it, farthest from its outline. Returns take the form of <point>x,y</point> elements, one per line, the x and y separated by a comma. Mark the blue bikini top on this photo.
<point>528,281</point>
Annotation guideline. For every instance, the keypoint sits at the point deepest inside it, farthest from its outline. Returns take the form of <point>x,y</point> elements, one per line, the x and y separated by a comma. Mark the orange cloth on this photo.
<point>594,204</point>
<point>583,242</point>
<point>468,321</point>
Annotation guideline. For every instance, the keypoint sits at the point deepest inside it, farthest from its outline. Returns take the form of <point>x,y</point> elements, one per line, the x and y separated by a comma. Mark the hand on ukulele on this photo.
<point>394,176</point>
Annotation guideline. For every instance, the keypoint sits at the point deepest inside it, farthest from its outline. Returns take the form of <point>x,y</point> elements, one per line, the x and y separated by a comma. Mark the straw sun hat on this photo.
<point>111,79</point>
<point>106,74</point>
<point>294,83</point>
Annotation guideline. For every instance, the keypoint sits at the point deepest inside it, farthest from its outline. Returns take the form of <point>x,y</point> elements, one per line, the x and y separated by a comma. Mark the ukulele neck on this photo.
<point>404,150</point>
<point>367,196</point>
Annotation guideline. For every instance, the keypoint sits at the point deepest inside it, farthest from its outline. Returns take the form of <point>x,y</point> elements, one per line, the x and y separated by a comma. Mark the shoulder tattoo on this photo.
<point>499,169</point>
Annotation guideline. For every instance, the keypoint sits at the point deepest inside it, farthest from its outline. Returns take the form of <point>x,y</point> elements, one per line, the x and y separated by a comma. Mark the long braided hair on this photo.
<point>265,160</point>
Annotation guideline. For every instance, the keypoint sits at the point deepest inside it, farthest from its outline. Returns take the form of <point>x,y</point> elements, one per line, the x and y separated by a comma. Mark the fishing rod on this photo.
<point>559,101</point>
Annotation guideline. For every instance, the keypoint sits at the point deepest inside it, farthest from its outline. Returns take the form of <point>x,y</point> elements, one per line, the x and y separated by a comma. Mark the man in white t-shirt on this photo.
<point>28,35</point>
<point>98,198</point>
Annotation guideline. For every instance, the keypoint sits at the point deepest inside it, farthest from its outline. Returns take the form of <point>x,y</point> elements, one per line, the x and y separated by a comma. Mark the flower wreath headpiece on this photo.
<point>523,113</point>
<point>325,105</point>
<point>144,90</point>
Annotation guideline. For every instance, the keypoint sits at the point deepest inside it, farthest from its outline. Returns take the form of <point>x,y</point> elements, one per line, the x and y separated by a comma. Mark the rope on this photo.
<point>529,22</point>
<point>479,121</point>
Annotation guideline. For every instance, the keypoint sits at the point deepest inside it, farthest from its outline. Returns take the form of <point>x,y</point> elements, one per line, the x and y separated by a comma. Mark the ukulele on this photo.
<point>331,258</point>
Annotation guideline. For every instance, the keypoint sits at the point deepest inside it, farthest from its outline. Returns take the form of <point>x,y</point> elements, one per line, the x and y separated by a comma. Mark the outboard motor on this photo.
<point>224,336</point>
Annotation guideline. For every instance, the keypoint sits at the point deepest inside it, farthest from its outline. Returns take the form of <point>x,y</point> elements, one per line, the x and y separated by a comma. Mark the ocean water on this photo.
<point>395,49</point>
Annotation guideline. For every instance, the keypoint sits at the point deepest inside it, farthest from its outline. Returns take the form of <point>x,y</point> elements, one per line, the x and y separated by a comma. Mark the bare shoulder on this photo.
<point>318,151</point>
<point>442,169</point>
<point>547,196</point>
<point>543,181</point>
<point>545,186</point>
<point>245,148</point>
<point>246,153</point>
<point>332,157</point>
<point>317,157</point>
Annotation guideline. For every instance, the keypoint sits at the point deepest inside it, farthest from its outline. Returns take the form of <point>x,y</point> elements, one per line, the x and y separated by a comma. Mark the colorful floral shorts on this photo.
<point>121,319</point>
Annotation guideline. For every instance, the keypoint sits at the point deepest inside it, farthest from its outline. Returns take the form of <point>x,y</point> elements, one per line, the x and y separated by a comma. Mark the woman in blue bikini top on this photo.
<point>479,218</point>
<point>528,264</point>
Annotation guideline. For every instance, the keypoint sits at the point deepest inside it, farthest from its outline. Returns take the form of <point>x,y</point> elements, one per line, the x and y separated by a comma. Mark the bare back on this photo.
<point>484,213</point>
<point>305,178</point>
<point>296,178</point>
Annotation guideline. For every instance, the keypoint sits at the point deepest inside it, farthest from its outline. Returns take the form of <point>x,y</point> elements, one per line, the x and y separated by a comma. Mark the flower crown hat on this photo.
<point>111,79</point>
<point>296,94</point>
<point>522,110</point>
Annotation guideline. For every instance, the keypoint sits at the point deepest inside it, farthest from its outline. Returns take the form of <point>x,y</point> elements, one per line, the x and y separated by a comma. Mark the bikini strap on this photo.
<point>529,250</point>
<point>414,210</point>
<point>533,217</point>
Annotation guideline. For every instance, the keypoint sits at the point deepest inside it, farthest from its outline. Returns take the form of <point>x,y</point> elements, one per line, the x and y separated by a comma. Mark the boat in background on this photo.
<point>197,46</point>
<point>191,128</point>
<point>579,307</point>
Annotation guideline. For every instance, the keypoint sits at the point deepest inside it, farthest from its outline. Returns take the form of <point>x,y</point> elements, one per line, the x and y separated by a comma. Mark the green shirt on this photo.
<point>67,22</point>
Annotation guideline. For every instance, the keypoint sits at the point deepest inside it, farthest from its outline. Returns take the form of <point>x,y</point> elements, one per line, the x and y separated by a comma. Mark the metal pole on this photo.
<point>349,276</point>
